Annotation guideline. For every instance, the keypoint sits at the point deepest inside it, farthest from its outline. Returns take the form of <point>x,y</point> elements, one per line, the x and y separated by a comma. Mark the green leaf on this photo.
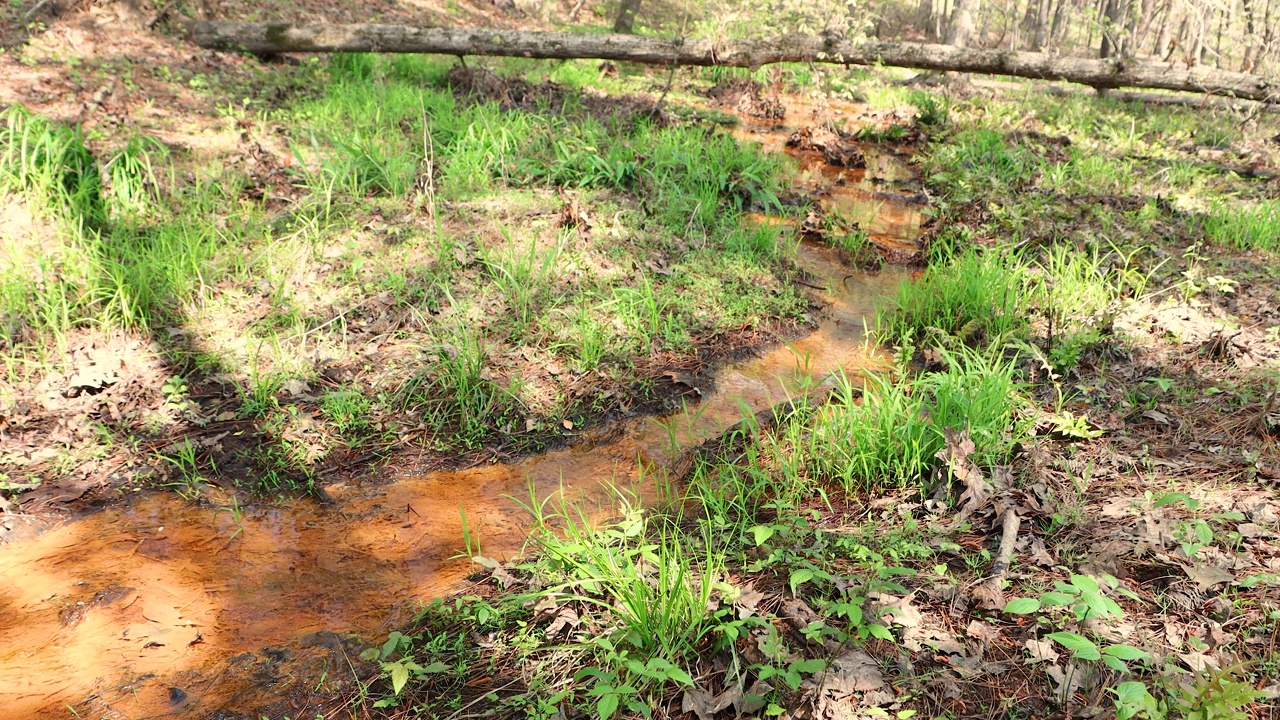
<point>587,672</point>
<point>809,666</point>
<point>680,676</point>
<point>880,631</point>
<point>1204,533</point>
<point>1022,606</point>
<point>1126,652</point>
<point>762,533</point>
<point>1085,583</point>
<point>1171,498</point>
<point>392,644</point>
<point>1080,646</point>
<point>1101,605</point>
<point>1115,664</point>
<point>607,706</point>
<point>1056,599</point>
<point>799,577</point>
<point>1130,692</point>
<point>399,676</point>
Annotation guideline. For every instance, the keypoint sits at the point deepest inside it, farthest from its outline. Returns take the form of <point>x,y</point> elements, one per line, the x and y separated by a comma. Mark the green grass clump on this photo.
<point>348,410</point>
<point>978,163</point>
<point>657,588</point>
<point>1253,226</point>
<point>1077,292</point>
<point>455,394</point>
<point>891,436</point>
<point>932,110</point>
<point>44,159</point>
<point>101,255</point>
<point>979,296</point>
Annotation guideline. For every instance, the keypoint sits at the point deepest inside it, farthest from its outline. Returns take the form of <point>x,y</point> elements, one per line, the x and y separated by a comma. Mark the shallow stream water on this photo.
<point>155,607</point>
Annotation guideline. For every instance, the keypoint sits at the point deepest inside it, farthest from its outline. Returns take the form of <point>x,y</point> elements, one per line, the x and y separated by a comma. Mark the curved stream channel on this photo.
<point>160,608</point>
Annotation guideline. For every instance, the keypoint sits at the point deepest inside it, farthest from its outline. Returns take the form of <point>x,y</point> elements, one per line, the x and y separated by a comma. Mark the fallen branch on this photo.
<point>269,38</point>
<point>30,14</point>
<point>991,594</point>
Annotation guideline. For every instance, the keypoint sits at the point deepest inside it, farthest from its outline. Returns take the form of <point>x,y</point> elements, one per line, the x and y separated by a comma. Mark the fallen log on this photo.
<point>271,38</point>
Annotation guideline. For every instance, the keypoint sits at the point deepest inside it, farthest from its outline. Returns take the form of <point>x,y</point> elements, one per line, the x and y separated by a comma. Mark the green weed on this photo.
<point>979,163</point>
<point>455,395</point>
<point>890,436</point>
<point>348,410</point>
<point>50,161</point>
<point>931,109</point>
<point>1245,226</point>
<point>647,580</point>
<point>977,298</point>
<point>524,278</point>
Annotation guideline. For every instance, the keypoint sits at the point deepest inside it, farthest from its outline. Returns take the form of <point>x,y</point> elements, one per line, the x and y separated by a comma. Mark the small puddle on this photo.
<point>156,607</point>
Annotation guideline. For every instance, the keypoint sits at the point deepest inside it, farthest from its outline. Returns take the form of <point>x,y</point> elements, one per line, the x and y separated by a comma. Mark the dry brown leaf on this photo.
<point>852,672</point>
<point>1206,576</point>
<point>959,447</point>
<point>987,598</point>
<point>705,705</point>
<point>747,601</point>
<point>1066,681</point>
<point>565,618</point>
<point>1040,651</point>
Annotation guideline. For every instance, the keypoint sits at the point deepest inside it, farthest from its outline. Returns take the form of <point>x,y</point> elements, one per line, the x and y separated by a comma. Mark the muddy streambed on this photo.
<point>157,607</point>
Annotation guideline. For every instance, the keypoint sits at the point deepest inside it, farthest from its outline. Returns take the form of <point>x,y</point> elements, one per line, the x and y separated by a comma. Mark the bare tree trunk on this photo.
<point>1217,41</point>
<point>1146,15</point>
<point>924,18</point>
<point>1111,29</point>
<point>1264,49</point>
<point>1098,11</point>
<point>626,16</point>
<point>960,30</point>
<point>1056,30</point>
<point>1197,35</point>
<point>1268,35</point>
<point>1162,35</point>
<point>1042,23</point>
<point>268,38</point>
<point>1250,37</point>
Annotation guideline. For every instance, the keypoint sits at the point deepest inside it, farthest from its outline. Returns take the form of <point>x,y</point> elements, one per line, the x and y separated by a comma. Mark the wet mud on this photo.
<point>157,607</point>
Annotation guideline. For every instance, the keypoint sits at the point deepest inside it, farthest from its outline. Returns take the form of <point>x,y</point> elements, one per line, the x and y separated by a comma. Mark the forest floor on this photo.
<point>266,286</point>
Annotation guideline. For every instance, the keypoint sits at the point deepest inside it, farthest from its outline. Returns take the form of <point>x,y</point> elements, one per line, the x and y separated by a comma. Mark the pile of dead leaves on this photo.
<point>746,97</point>
<point>836,146</point>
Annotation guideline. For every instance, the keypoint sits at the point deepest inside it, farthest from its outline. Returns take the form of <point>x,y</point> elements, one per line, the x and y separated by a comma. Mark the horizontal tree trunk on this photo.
<point>265,38</point>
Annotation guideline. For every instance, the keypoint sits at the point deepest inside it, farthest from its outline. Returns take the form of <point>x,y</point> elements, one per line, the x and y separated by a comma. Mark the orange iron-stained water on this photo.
<point>157,607</point>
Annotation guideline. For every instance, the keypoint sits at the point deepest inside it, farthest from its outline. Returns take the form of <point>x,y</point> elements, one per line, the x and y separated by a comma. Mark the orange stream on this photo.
<point>109,612</point>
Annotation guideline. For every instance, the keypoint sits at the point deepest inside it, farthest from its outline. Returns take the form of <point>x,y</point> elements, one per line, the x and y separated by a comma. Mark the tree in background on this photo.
<point>626,17</point>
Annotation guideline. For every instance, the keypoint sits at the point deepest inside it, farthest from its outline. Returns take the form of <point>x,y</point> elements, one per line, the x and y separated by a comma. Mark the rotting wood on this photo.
<point>1116,72</point>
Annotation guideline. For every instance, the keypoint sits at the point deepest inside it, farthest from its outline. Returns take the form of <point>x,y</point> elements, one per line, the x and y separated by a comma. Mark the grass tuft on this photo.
<point>978,297</point>
<point>1253,226</point>
<point>890,436</point>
